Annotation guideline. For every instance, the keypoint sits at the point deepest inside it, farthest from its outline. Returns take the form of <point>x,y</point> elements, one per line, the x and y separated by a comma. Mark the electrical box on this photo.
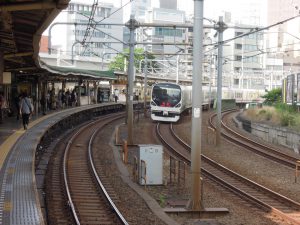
<point>150,164</point>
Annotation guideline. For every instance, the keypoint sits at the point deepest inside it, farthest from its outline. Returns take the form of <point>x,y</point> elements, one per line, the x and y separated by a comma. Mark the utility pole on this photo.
<point>195,203</point>
<point>221,26</point>
<point>145,84</point>
<point>210,79</point>
<point>177,69</point>
<point>132,24</point>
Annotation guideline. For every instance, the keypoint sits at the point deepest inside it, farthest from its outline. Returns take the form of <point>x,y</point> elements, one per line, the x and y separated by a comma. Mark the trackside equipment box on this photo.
<point>150,164</point>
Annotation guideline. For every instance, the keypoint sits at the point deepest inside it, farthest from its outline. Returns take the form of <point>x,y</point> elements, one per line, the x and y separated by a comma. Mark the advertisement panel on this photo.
<point>290,89</point>
<point>298,89</point>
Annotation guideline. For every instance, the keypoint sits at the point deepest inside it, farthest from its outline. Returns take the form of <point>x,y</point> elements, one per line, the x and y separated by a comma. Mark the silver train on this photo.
<point>169,100</point>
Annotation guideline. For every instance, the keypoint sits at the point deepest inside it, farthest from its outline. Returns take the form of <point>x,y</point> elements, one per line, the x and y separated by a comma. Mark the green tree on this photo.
<point>139,54</point>
<point>272,97</point>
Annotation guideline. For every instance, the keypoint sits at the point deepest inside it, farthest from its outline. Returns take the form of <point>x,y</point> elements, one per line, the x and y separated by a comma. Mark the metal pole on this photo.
<point>145,84</point>
<point>72,54</point>
<point>46,94</point>
<point>210,77</point>
<point>221,28</point>
<point>102,61</point>
<point>37,97</point>
<point>49,39</point>
<point>177,69</point>
<point>195,203</point>
<point>132,25</point>
<point>87,83</point>
<point>242,80</point>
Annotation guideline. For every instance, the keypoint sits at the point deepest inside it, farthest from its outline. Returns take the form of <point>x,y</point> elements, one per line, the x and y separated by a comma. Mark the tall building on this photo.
<point>159,12</point>
<point>284,39</point>
<point>251,12</point>
<point>168,4</point>
<point>243,61</point>
<point>138,8</point>
<point>82,42</point>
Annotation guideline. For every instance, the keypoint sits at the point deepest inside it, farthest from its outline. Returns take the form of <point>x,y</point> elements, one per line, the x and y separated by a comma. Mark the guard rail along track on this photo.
<point>261,197</point>
<point>88,199</point>
<point>254,146</point>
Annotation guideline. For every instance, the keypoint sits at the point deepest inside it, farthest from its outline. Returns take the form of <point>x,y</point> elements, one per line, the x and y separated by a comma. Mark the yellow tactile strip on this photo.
<point>7,145</point>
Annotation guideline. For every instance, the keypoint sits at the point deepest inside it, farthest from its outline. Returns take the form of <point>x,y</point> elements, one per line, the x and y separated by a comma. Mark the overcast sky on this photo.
<point>241,9</point>
<point>214,8</point>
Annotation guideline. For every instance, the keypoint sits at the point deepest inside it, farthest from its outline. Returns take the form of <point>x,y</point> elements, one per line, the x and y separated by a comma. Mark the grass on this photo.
<point>279,115</point>
<point>162,200</point>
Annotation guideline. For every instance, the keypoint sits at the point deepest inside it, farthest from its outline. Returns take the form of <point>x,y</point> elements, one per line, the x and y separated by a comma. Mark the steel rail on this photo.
<point>100,184</point>
<point>256,147</point>
<point>268,148</point>
<point>177,154</point>
<point>255,186</point>
<point>66,182</point>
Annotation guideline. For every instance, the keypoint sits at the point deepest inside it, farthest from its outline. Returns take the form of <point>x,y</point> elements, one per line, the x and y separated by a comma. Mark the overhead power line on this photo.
<point>91,19</point>
<point>105,17</point>
<point>255,30</point>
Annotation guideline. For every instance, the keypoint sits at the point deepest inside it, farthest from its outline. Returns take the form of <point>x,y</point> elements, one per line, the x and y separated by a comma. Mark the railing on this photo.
<point>177,171</point>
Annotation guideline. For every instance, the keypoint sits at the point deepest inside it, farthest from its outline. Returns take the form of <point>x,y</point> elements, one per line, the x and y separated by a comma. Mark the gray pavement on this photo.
<point>19,204</point>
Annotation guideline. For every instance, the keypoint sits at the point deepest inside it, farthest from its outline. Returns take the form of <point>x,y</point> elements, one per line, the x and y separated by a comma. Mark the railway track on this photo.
<point>254,146</point>
<point>86,193</point>
<point>261,197</point>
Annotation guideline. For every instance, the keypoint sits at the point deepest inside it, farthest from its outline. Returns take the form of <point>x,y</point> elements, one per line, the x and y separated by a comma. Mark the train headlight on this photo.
<point>153,103</point>
<point>178,105</point>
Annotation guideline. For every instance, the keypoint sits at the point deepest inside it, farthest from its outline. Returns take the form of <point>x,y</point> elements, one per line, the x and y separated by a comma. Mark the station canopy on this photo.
<point>22,23</point>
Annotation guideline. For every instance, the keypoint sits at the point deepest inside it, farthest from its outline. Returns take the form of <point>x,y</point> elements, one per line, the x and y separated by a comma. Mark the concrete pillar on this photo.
<point>45,88</point>
<point>79,94</point>
<point>87,83</point>
<point>38,96</point>
<point>95,92</point>
<point>63,85</point>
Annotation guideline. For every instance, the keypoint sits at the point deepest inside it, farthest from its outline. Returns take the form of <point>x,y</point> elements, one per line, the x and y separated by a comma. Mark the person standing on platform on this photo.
<point>43,103</point>
<point>17,105</point>
<point>25,110</point>
<point>116,95</point>
<point>63,99</point>
<point>101,96</point>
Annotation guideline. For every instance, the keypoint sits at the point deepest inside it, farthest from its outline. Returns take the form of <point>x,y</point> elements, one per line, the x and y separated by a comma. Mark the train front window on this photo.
<point>168,95</point>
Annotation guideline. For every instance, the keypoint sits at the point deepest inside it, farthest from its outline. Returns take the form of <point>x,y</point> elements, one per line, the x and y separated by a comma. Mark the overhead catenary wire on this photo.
<point>264,51</point>
<point>90,25</point>
<point>105,17</point>
<point>91,18</point>
<point>255,30</point>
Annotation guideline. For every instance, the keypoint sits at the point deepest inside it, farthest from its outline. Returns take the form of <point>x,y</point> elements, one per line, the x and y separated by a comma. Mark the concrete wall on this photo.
<point>276,135</point>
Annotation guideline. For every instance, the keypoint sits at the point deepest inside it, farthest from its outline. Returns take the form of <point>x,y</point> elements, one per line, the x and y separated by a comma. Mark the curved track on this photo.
<point>254,146</point>
<point>258,195</point>
<point>87,193</point>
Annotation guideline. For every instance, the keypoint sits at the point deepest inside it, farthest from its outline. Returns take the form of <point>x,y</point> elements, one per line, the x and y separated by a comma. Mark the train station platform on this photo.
<point>19,198</point>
